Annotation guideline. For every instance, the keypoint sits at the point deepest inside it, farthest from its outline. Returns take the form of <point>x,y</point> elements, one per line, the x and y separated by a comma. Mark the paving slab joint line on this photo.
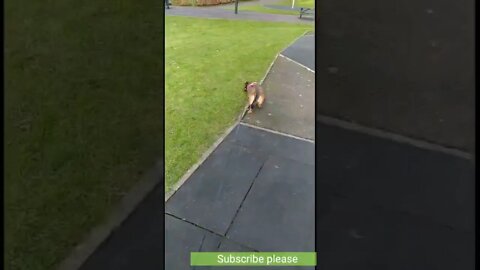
<point>280,53</point>
<point>291,60</point>
<point>277,132</point>
<point>244,198</point>
<point>212,148</point>
<point>210,231</point>
<point>306,33</point>
<point>120,213</point>
<point>330,121</point>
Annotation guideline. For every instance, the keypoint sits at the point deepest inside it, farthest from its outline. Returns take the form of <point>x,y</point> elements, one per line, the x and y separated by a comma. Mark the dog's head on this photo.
<point>245,87</point>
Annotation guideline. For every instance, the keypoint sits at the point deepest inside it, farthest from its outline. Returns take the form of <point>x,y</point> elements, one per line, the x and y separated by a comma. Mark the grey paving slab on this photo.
<point>182,238</point>
<point>273,144</point>
<point>302,51</point>
<point>406,67</point>
<point>218,13</point>
<point>352,235</point>
<point>398,177</point>
<point>229,246</point>
<point>211,196</point>
<point>279,212</point>
<point>290,101</point>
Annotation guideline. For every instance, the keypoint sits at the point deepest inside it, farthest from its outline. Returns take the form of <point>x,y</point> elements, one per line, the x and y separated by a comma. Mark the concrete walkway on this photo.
<point>290,107</point>
<point>220,13</point>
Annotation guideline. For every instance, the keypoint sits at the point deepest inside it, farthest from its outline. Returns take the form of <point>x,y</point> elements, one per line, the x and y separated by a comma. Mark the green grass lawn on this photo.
<point>298,3</point>
<point>192,3</point>
<point>262,9</point>
<point>207,62</point>
<point>83,118</point>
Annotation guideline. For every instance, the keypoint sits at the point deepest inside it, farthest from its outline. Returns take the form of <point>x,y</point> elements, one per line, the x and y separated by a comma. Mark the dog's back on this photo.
<point>255,93</point>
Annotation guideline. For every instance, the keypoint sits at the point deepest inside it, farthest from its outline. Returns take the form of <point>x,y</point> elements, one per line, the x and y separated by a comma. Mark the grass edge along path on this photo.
<point>207,62</point>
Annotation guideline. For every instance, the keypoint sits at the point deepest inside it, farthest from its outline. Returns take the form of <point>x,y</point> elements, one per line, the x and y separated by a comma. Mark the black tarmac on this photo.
<point>303,51</point>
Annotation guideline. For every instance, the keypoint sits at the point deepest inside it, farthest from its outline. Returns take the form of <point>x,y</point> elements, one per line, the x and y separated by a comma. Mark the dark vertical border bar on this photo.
<point>316,18</point>
<point>475,130</point>
<point>3,129</point>
<point>318,23</point>
<point>162,183</point>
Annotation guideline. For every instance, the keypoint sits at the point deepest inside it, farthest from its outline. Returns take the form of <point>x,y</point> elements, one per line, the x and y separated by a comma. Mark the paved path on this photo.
<point>220,13</point>
<point>290,84</point>
<point>290,107</point>
<point>248,194</point>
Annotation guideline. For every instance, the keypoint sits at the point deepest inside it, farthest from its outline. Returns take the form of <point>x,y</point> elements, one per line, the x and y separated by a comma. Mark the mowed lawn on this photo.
<point>207,62</point>
<point>83,118</point>
<point>298,3</point>
<point>287,3</point>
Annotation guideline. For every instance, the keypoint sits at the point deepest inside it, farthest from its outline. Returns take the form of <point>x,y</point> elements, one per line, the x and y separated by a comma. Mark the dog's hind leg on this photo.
<point>260,101</point>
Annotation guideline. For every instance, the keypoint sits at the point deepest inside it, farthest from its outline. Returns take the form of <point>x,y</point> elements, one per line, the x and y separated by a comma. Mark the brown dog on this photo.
<point>255,94</point>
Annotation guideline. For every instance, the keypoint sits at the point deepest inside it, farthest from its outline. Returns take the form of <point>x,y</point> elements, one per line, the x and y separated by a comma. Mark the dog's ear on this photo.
<point>245,87</point>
